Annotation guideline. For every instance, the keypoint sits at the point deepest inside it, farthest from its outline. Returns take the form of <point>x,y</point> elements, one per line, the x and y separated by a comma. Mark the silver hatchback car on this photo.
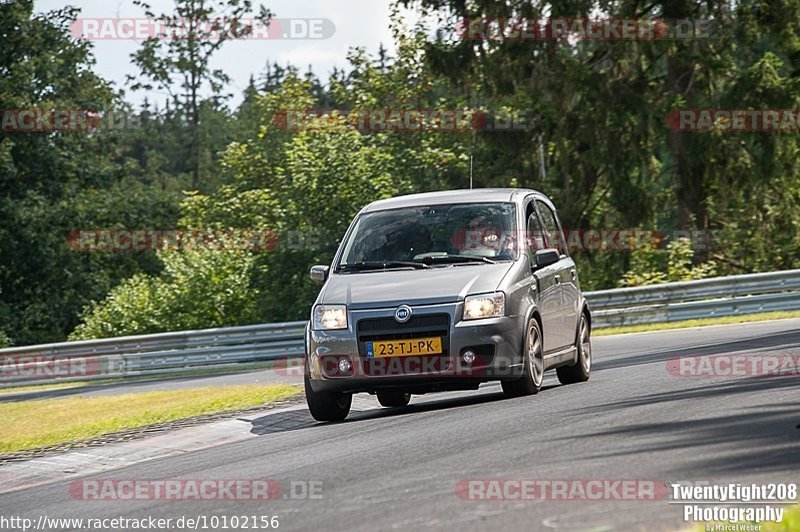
<point>444,291</point>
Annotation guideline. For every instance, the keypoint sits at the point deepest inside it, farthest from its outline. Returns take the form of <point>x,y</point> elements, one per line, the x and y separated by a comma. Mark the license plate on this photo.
<point>403,348</point>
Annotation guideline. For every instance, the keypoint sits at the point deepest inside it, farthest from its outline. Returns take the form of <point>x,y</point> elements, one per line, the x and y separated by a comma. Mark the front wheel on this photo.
<point>327,406</point>
<point>533,360</point>
<point>582,369</point>
<point>394,399</point>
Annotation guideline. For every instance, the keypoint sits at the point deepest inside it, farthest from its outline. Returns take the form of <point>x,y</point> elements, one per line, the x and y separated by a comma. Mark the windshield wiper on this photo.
<point>460,258</point>
<point>380,265</point>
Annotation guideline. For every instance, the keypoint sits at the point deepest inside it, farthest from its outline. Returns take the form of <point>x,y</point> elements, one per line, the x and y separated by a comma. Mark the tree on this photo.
<point>180,61</point>
<point>54,182</point>
<point>197,290</point>
<point>600,109</point>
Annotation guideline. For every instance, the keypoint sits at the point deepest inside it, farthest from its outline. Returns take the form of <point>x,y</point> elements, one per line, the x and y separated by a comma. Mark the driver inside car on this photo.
<point>485,237</point>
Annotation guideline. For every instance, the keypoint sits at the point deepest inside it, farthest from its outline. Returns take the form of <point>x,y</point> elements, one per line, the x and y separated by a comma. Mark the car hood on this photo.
<point>381,289</point>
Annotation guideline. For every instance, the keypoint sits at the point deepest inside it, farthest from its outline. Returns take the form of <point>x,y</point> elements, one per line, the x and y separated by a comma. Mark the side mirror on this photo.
<point>319,274</point>
<point>546,257</point>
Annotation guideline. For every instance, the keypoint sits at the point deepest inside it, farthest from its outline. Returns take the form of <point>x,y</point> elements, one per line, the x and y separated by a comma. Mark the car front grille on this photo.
<point>381,329</point>
<point>384,329</point>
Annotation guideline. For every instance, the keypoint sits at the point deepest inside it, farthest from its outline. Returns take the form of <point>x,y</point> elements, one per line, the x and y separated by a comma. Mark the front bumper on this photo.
<point>497,341</point>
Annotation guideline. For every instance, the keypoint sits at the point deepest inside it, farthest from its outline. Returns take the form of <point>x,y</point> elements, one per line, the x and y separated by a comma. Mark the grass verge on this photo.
<point>789,523</point>
<point>41,423</point>
<point>702,322</point>
<point>211,372</point>
<point>43,387</point>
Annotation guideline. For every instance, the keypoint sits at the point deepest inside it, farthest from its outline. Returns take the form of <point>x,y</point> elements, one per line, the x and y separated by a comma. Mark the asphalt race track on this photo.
<point>384,470</point>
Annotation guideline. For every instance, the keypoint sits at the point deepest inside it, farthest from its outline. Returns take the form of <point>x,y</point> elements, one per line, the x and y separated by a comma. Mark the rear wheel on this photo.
<point>393,399</point>
<point>582,369</point>
<point>327,406</point>
<point>533,361</point>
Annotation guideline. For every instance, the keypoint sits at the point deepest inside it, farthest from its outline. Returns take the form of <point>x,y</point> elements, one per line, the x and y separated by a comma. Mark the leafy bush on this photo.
<point>197,290</point>
<point>5,341</point>
<point>653,266</point>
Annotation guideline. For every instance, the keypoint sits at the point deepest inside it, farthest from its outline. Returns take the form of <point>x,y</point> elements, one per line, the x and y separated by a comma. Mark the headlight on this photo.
<point>485,306</point>
<point>330,317</point>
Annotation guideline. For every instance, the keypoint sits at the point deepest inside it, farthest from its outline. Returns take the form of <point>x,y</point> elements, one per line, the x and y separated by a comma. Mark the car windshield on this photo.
<point>415,237</point>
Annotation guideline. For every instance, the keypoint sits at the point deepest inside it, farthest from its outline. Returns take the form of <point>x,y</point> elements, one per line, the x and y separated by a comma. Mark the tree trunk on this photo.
<point>687,172</point>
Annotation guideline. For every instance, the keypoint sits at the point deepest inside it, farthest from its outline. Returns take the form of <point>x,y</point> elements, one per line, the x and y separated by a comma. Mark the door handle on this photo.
<point>574,275</point>
<point>558,279</point>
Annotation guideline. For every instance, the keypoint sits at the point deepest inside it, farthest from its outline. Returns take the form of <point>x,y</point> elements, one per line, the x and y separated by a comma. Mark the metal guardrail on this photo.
<point>181,352</point>
<point>706,298</point>
<point>213,350</point>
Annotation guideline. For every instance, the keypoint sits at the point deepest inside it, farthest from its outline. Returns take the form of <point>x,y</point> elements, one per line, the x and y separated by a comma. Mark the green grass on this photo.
<point>43,387</point>
<point>702,322</point>
<point>42,423</point>
<point>140,378</point>
<point>790,522</point>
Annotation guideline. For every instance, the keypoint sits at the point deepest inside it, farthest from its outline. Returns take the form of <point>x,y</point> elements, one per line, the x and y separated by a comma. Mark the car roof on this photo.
<point>482,195</point>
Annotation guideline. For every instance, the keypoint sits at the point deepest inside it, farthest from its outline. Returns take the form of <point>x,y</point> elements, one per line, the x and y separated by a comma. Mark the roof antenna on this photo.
<point>471,158</point>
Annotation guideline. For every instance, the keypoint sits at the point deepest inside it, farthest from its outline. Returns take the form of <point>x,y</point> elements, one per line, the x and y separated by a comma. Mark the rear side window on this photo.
<point>550,226</point>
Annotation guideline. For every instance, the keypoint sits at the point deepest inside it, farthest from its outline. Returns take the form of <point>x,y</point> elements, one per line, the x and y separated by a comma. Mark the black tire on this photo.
<point>582,369</point>
<point>327,406</point>
<point>533,361</point>
<point>393,399</point>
